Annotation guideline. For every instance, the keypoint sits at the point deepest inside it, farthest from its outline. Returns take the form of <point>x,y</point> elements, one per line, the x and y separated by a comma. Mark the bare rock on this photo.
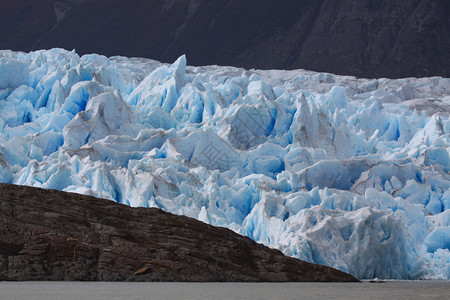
<point>53,235</point>
<point>364,38</point>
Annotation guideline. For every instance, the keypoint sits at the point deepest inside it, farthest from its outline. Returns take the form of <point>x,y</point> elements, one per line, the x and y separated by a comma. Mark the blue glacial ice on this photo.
<point>351,173</point>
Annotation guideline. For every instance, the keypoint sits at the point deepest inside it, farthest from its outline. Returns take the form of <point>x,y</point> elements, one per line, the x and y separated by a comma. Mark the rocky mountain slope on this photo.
<point>53,235</point>
<point>368,38</point>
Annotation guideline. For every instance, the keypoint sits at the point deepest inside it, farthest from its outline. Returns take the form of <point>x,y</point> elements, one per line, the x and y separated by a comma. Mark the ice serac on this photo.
<point>346,172</point>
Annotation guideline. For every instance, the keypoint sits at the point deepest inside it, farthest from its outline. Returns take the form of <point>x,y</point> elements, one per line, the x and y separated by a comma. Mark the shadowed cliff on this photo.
<point>368,38</point>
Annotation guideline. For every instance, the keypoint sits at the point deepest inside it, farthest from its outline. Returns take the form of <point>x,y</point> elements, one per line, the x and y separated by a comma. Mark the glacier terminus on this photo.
<point>335,170</point>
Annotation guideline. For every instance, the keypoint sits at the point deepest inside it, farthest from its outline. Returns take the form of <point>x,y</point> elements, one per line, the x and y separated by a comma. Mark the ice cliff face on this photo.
<point>352,173</point>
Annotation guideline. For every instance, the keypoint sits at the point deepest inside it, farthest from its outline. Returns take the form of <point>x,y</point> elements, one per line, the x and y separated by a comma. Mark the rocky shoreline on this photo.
<point>53,235</point>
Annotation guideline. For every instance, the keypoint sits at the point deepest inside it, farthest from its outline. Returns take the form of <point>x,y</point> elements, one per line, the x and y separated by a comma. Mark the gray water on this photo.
<point>103,290</point>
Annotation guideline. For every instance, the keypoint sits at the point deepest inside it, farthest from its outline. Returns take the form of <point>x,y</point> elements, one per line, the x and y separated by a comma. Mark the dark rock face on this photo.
<point>368,38</point>
<point>53,235</point>
<point>23,22</point>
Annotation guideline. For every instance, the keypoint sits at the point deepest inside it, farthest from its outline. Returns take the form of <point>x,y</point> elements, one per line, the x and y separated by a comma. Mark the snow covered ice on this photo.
<point>351,173</point>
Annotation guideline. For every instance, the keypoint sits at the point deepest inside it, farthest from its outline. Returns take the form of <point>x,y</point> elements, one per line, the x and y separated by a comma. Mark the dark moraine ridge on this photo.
<point>54,235</point>
<point>364,38</point>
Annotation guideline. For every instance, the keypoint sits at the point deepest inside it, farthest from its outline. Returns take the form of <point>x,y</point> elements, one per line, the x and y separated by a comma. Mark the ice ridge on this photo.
<point>351,173</point>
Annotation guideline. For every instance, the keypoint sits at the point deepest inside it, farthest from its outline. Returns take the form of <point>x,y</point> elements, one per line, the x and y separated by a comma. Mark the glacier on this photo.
<point>347,172</point>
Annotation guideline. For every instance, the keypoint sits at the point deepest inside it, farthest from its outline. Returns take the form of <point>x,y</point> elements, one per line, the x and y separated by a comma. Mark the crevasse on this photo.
<point>351,173</point>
